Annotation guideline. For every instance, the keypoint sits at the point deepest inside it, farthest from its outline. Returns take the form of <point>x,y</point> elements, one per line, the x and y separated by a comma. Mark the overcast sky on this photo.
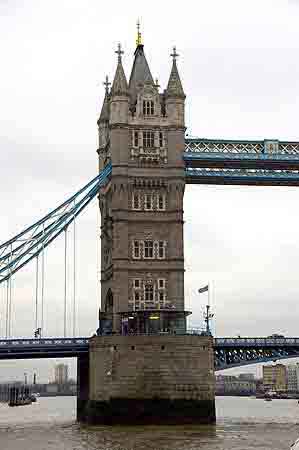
<point>239,67</point>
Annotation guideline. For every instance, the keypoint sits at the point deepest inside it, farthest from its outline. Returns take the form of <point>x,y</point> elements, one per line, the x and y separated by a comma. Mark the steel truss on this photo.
<point>27,245</point>
<point>268,162</point>
<point>235,352</point>
<point>256,177</point>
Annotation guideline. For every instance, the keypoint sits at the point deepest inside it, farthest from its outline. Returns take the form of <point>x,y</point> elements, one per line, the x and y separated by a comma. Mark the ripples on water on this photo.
<point>242,424</point>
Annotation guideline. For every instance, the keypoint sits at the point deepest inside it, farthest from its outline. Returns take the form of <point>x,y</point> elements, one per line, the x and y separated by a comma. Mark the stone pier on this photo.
<point>150,380</point>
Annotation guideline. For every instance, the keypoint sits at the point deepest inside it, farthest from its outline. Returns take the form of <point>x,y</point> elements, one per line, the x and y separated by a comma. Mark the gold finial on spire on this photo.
<point>138,39</point>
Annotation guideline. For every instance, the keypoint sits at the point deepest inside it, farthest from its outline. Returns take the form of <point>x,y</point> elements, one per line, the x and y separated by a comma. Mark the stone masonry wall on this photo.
<point>175,371</point>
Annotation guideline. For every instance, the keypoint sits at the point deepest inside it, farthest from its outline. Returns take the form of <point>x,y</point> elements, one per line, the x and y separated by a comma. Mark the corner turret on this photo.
<point>174,95</point>
<point>119,103</point>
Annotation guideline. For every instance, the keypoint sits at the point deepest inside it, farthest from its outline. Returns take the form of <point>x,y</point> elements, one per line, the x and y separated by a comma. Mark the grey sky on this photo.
<point>240,70</point>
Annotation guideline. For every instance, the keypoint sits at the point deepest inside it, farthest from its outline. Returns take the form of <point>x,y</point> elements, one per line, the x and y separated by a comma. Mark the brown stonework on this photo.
<point>166,379</point>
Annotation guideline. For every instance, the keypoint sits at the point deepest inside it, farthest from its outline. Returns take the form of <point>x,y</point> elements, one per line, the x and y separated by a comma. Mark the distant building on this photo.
<point>244,384</point>
<point>293,377</point>
<point>275,378</point>
<point>61,374</point>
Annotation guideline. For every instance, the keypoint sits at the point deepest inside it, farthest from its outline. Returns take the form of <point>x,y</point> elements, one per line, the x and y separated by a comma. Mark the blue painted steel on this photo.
<point>228,352</point>
<point>20,250</point>
<point>242,177</point>
<point>197,156</point>
<point>268,162</point>
<point>43,348</point>
<point>236,352</point>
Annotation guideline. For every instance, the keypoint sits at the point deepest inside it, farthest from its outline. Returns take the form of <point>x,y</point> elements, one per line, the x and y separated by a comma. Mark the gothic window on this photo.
<point>136,201</point>
<point>148,249</point>
<point>149,293</point>
<point>148,139</point>
<point>160,139</point>
<point>136,296</point>
<point>136,249</point>
<point>161,249</point>
<point>148,108</point>
<point>161,202</point>
<point>148,201</point>
<point>135,139</point>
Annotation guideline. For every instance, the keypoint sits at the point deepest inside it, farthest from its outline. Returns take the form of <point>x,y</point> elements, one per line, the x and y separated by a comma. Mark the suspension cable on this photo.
<point>2,323</point>
<point>36,294</point>
<point>10,309</point>
<point>7,307</point>
<point>65,281</point>
<point>74,278</point>
<point>42,287</point>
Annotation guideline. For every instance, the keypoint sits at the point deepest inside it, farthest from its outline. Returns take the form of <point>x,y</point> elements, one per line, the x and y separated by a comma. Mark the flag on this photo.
<point>203,289</point>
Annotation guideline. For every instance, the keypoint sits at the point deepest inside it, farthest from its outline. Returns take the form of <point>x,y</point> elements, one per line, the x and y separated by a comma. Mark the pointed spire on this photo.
<point>104,116</point>
<point>141,73</point>
<point>120,85</point>
<point>174,87</point>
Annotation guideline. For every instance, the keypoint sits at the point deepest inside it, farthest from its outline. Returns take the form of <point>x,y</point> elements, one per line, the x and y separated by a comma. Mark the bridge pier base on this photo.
<point>82,386</point>
<point>154,379</point>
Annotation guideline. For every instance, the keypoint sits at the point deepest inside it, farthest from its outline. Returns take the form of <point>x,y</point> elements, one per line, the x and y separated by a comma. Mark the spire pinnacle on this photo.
<point>119,52</point>
<point>138,39</point>
<point>106,83</point>
<point>174,87</point>
<point>174,54</point>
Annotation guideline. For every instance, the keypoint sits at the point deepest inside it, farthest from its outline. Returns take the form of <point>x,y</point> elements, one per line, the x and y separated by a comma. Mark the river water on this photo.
<point>242,424</point>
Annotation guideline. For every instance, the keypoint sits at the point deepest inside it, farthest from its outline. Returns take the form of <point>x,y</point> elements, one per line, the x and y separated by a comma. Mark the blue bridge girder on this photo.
<point>228,352</point>
<point>239,162</point>
<point>236,352</point>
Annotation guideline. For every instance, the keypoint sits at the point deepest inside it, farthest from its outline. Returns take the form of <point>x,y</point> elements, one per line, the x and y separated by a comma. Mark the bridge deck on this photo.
<point>228,352</point>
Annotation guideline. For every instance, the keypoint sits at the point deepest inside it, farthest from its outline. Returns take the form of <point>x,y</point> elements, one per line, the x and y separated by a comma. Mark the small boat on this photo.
<point>268,399</point>
<point>295,446</point>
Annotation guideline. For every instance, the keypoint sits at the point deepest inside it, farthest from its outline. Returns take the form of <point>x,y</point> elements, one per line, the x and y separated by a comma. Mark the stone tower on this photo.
<point>142,366</point>
<point>141,131</point>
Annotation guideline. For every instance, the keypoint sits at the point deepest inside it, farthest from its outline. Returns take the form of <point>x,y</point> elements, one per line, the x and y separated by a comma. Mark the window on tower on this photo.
<point>136,200</point>
<point>161,202</point>
<point>148,201</point>
<point>136,249</point>
<point>148,139</point>
<point>160,139</point>
<point>148,108</point>
<point>136,139</point>
<point>148,249</point>
<point>137,283</point>
<point>161,249</point>
<point>149,293</point>
<point>162,297</point>
<point>161,283</point>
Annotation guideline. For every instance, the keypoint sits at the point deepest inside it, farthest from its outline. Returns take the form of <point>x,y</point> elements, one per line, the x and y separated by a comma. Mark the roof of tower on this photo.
<point>174,87</point>
<point>119,85</point>
<point>141,73</point>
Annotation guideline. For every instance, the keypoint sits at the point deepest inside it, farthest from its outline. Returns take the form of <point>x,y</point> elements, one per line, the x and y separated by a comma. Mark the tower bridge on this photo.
<point>143,359</point>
